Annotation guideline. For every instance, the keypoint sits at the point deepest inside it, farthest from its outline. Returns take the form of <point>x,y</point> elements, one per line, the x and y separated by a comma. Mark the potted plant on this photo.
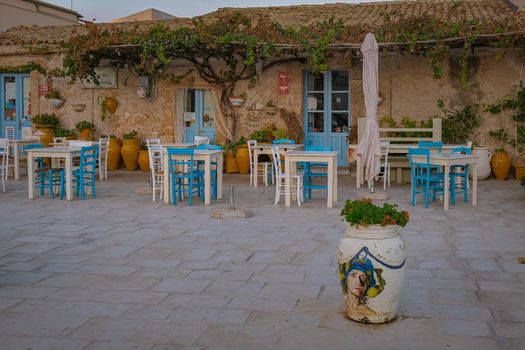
<point>242,156</point>
<point>84,128</point>
<point>55,98</point>
<point>143,157</point>
<point>230,148</point>
<point>130,150</point>
<point>45,125</point>
<point>69,134</point>
<point>278,134</point>
<point>236,100</point>
<point>371,259</point>
<point>113,153</point>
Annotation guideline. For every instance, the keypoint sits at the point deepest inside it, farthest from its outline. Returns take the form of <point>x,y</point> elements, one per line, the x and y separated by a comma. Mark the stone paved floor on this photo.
<point>121,272</point>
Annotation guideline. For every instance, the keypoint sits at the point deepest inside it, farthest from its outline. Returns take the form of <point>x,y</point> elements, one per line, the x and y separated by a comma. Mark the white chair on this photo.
<point>201,140</point>
<point>59,141</point>
<point>265,167</point>
<point>77,143</point>
<point>152,141</point>
<point>4,156</point>
<point>384,172</point>
<point>156,169</point>
<point>103,144</point>
<point>297,180</point>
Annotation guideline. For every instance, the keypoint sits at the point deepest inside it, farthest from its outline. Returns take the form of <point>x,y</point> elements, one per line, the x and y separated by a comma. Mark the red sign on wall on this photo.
<point>283,83</point>
<point>43,88</point>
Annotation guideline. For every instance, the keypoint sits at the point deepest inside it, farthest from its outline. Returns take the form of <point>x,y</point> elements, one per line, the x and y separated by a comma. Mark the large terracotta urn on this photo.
<point>519,171</point>
<point>371,271</point>
<point>46,133</point>
<point>484,156</point>
<point>143,160</point>
<point>113,154</point>
<point>231,163</point>
<point>130,153</point>
<point>85,134</point>
<point>501,163</point>
<point>242,157</point>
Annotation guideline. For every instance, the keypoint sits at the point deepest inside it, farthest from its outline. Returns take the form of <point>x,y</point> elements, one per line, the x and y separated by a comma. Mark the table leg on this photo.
<point>166,168</point>
<point>446,188</point>
<point>287,182</point>
<point>335,179</point>
<point>69,177</point>
<point>475,184</point>
<point>219,176</point>
<point>16,156</point>
<point>207,181</point>
<point>30,176</point>
<point>358,169</point>
<point>330,192</point>
<point>256,167</point>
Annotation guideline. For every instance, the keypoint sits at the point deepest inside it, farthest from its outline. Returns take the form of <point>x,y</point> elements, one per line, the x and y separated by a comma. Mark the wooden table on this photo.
<point>67,153</point>
<point>208,156</point>
<point>291,158</point>
<point>266,148</point>
<point>17,146</point>
<point>393,148</point>
<point>178,145</point>
<point>446,160</point>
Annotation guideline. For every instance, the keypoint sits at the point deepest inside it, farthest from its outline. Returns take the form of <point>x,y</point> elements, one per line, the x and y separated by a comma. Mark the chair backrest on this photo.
<point>173,151</point>
<point>277,161</point>
<point>385,145</point>
<point>59,141</point>
<point>4,151</point>
<point>88,160</point>
<point>318,148</point>
<point>469,144</point>
<point>419,152</point>
<point>251,145</point>
<point>438,145</point>
<point>460,150</point>
<point>155,158</point>
<point>283,142</point>
<point>152,141</point>
<point>201,140</point>
<point>103,144</point>
<point>77,143</point>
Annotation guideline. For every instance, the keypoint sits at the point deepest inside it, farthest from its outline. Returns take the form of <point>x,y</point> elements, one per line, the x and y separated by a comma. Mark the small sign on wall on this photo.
<point>106,76</point>
<point>284,83</point>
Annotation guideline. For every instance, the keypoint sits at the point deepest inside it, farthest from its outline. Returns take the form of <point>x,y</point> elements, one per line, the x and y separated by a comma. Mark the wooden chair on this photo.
<point>266,167</point>
<point>85,175</point>
<point>297,180</point>
<point>202,140</point>
<point>4,156</point>
<point>103,144</point>
<point>156,168</point>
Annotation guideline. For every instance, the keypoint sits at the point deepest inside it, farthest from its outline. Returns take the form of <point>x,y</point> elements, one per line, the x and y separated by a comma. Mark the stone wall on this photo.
<point>405,80</point>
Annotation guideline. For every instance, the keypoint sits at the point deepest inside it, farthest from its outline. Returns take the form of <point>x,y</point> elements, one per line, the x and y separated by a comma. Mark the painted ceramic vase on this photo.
<point>371,271</point>
<point>484,156</point>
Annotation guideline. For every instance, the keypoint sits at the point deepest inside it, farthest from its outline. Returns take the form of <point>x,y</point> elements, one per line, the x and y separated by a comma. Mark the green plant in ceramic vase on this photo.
<point>363,212</point>
<point>50,120</point>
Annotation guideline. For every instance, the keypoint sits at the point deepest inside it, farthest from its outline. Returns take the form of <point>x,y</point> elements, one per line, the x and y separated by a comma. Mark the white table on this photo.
<point>17,146</point>
<point>208,156</point>
<point>446,161</point>
<point>291,158</point>
<point>67,153</point>
<point>179,145</point>
<point>266,148</point>
<point>393,148</point>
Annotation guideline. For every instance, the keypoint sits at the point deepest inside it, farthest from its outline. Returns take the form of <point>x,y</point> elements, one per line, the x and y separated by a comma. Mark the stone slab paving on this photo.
<point>122,272</point>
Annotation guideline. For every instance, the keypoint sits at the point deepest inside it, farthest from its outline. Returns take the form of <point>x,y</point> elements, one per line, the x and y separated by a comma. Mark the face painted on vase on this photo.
<point>357,283</point>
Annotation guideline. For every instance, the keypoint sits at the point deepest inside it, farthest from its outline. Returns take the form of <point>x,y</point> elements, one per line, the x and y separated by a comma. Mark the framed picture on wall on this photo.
<point>106,76</point>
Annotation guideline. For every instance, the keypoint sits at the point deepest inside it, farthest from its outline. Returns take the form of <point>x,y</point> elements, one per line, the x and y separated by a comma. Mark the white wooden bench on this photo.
<point>399,144</point>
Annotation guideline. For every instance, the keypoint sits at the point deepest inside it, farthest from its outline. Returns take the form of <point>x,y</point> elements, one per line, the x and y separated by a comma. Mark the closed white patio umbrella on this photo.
<point>369,147</point>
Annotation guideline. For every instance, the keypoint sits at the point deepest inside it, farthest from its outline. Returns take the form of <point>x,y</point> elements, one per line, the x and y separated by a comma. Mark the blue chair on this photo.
<point>283,142</point>
<point>47,177</point>
<point>459,172</point>
<point>84,176</point>
<point>437,145</point>
<point>424,176</point>
<point>309,175</point>
<point>200,165</point>
<point>184,177</point>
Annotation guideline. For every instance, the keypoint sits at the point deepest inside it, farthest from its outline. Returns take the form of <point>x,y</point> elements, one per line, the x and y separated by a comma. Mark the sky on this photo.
<point>106,10</point>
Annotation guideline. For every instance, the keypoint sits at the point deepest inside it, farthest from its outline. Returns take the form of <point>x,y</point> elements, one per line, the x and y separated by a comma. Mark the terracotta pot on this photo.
<point>371,269</point>
<point>500,165</point>
<point>231,164</point>
<point>520,171</point>
<point>85,134</point>
<point>113,154</point>
<point>111,104</point>
<point>130,153</point>
<point>47,134</point>
<point>242,157</point>
<point>143,160</point>
<point>484,156</point>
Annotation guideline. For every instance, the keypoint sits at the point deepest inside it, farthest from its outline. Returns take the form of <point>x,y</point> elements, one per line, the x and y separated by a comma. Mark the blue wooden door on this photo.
<point>200,115</point>
<point>15,104</point>
<point>327,111</point>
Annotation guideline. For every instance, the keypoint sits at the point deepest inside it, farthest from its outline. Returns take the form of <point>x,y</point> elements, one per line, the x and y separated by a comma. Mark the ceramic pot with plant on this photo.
<point>84,128</point>
<point>45,125</point>
<point>501,164</point>
<point>143,158</point>
<point>230,149</point>
<point>237,100</point>
<point>372,258</point>
<point>130,150</point>
<point>113,153</point>
<point>55,98</point>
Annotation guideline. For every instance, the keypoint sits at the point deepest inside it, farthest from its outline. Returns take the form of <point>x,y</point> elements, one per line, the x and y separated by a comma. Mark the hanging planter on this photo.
<point>79,107</point>
<point>55,98</point>
<point>236,101</point>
